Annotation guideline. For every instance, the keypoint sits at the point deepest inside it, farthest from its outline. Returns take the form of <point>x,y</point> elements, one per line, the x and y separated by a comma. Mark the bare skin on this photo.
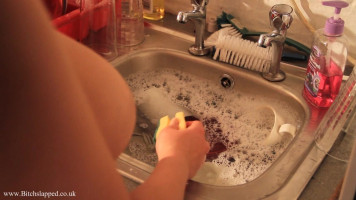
<point>66,114</point>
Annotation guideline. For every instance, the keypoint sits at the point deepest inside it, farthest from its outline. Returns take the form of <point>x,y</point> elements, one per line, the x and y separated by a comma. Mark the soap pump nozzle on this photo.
<point>335,25</point>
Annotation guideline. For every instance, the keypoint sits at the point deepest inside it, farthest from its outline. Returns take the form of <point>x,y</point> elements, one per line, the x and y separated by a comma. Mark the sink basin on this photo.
<point>227,100</point>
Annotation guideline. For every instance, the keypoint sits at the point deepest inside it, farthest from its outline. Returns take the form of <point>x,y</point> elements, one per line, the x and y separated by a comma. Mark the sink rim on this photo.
<point>222,190</point>
<point>295,184</point>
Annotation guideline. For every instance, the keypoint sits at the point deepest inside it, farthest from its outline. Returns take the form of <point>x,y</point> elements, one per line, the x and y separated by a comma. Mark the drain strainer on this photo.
<point>227,81</point>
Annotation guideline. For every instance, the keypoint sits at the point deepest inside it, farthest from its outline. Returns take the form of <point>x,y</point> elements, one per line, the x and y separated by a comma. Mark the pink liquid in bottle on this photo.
<point>321,89</point>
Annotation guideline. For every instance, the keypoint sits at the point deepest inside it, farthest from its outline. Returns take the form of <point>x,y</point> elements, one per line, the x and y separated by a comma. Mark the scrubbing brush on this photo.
<point>231,48</point>
<point>227,19</point>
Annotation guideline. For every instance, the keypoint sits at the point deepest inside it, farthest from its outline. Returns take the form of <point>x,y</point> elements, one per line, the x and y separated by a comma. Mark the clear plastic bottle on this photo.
<point>327,60</point>
<point>153,9</point>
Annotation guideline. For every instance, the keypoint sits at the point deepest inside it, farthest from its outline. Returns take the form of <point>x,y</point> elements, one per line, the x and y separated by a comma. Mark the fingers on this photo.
<point>190,119</point>
<point>174,123</point>
<point>188,123</point>
<point>196,126</point>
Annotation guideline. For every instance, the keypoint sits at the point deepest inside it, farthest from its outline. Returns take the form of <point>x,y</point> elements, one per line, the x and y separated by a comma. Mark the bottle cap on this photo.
<point>335,25</point>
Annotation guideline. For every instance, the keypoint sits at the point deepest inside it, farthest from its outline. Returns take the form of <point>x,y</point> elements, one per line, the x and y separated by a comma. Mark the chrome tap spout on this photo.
<point>198,16</point>
<point>280,19</point>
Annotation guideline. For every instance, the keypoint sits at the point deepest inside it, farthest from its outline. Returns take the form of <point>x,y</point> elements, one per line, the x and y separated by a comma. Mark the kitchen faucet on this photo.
<point>280,17</point>
<point>198,16</point>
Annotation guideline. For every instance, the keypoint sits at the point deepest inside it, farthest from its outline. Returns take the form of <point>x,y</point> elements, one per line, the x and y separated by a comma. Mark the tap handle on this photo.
<point>200,2</point>
<point>280,17</point>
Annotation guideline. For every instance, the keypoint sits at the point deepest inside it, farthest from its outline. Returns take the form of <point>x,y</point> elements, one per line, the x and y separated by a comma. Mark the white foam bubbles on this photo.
<point>228,116</point>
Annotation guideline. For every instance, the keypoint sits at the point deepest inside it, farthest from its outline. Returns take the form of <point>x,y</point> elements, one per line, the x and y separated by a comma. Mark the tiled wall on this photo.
<point>253,14</point>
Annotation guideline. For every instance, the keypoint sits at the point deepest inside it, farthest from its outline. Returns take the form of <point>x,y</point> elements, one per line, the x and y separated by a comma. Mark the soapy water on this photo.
<point>228,117</point>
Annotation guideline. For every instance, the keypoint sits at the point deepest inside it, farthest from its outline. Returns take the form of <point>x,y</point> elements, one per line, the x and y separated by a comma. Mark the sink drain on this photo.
<point>227,81</point>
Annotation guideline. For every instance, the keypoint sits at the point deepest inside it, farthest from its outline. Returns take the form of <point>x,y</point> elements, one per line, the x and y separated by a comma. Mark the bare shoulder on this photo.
<point>108,93</point>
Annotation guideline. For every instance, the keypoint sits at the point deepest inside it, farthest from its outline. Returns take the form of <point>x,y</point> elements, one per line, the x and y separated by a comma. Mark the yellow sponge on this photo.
<point>180,117</point>
<point>164,121</point>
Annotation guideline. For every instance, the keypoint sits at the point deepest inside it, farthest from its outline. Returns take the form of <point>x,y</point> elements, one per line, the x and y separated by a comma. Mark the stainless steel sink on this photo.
<point>290,169</point>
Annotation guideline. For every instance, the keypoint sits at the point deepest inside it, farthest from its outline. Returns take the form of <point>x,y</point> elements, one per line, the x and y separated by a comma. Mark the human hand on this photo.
<point>188,146</point>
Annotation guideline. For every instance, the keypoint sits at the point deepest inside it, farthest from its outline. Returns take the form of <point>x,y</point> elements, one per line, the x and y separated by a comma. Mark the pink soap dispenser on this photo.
<point>327,60</point>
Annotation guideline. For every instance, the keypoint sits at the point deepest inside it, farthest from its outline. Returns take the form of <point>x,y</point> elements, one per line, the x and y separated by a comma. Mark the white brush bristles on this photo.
<point>232,49</point>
